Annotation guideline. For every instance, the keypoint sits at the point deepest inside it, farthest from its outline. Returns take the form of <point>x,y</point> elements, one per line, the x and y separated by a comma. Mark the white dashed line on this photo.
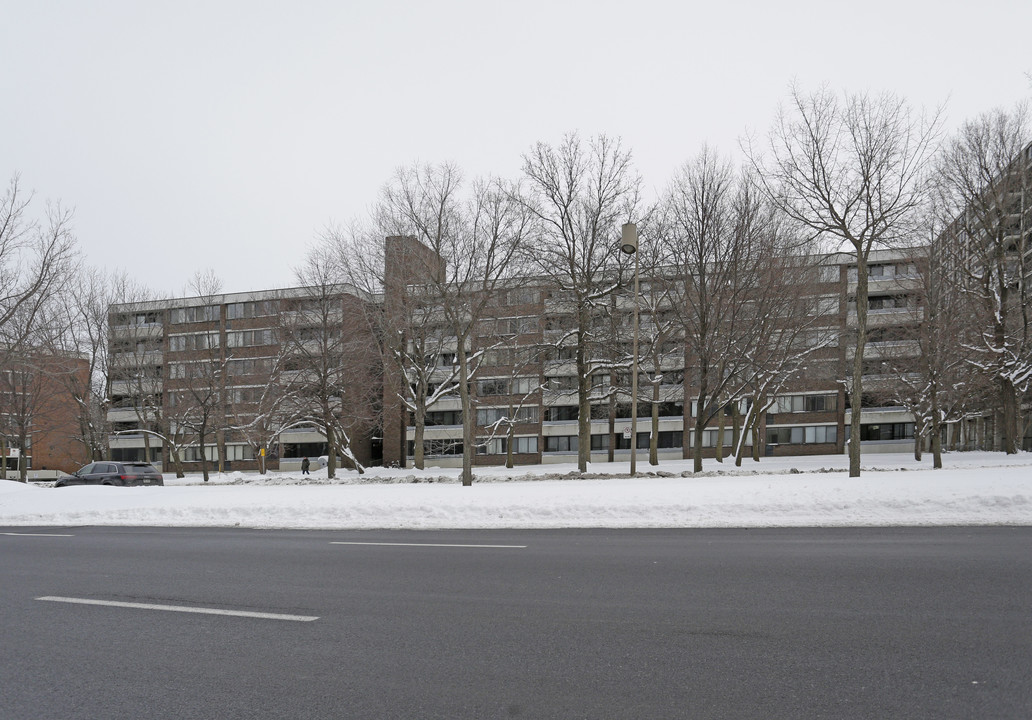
<point>34,535</point>
<point>181,609</point>
<point>439,545</point>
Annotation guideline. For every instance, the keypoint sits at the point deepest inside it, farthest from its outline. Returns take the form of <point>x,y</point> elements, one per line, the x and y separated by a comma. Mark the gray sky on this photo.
<point>226,135</point>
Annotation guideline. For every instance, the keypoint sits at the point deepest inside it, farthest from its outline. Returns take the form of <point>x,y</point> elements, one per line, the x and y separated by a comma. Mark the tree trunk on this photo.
<point>1009,417</point>
<point>700,425</point>
<point>583,397</point>
<point>220,448</point>
<point>468,417</point>
<point>721,425</point>
<point>936,441</point>
<point>856,388</point>
<point>331,448</point>
<point>736,424</point>
<point>611,453</point>
<point>919,435</point>
<point>202,435</point>
<point>756,442</point>
<point>742,429</point>
<point>177,463</point>
<point>418,451</point>
<point>509,436</point>
<point>654,435</point>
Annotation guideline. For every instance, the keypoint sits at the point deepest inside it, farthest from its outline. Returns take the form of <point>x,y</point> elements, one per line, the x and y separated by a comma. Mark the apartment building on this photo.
<point>987,251</point>
<point>38,413</point>
<point>526,388</point>
<point>229,380</point>
<point>230,356</point>
<point>218,377</point>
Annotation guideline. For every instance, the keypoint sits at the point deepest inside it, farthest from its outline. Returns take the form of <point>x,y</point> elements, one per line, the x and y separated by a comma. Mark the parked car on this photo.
<point>113,473</point>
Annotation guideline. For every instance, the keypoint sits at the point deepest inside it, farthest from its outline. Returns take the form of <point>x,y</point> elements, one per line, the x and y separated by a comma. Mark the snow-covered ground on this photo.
<point>894,489</point>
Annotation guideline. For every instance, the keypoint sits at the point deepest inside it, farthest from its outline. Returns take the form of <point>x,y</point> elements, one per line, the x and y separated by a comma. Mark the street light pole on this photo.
<point>629,245</point>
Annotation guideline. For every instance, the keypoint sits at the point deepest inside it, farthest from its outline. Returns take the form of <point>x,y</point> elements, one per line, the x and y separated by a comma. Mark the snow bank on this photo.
<point>973,489</point>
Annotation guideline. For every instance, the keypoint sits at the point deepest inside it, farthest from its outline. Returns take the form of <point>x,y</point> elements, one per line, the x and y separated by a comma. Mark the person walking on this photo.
<point>305,464</point>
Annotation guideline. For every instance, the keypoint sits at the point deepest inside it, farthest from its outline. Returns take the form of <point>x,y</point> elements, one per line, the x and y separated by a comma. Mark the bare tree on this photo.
<point>661,334</point>
<point>791,327</point>
<point>34,255</point>
<point>581,193</point>
<point>929,363</point>
<point>984,179</point>
<point>511,385</point>
<point>850,171</point>
<point>719,243</point>
<point>23,391</point>
<point>416,355</point>
<point>260,412</point>
<point>202,391</point>
<point>327,340</point>
<point>82,316</point>
<point>476,237</point>
<point>134,379</point>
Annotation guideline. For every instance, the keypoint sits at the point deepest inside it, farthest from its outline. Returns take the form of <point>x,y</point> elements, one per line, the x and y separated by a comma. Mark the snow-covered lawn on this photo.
<point>972,489</point>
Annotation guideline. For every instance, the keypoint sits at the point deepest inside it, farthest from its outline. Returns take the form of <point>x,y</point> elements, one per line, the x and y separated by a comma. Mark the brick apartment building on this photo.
<point>528,374</point>
<point>235,345</point>
<point>231,366</point>
<point>39,423</point>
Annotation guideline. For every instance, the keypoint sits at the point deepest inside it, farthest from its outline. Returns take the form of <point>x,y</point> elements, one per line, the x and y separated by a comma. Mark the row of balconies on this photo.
<point>148,330</point>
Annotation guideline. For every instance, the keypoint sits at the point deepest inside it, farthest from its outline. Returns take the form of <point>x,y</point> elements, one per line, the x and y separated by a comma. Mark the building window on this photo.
<point>437,448</point>
<point>494,386</point>
<point>251,338</point>
<point>250,366</point>
<point>561,443</point>
<point>561,413</point>
<point>804,435</point>
<point>444,417</point>
<point>804,403</point>
<point>192,453</point>
<point>239,452</point>
<point>522,297</point>
<point>246,395</point>
<point>499,446</point>
<point>259,308</point>
<point>489,416</point>
<point>204,313</point>
<point>623,443</point>
<point>563,353</point>
<point>670,439</point>
<point>506,386</point>
<point>190,343</point>
<point>561,382</point>
<point>887,431</point>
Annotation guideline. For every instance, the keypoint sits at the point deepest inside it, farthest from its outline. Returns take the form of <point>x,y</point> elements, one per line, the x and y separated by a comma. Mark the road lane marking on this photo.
<point>180,608</point>
<point>387,544</point>
<point>34,535</point>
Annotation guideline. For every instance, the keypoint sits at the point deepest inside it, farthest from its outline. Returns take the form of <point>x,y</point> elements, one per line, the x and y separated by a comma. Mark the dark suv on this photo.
<point>113,473</point>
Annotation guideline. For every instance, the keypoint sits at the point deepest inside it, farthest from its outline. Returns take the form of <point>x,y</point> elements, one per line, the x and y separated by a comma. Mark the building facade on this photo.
<point>526,397</point>
<point>242,381</point>
<point>39,423</point>
<point>229,368</point>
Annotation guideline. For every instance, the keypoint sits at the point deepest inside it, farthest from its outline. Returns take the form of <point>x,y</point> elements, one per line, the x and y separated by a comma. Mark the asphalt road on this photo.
<point>815,623</point>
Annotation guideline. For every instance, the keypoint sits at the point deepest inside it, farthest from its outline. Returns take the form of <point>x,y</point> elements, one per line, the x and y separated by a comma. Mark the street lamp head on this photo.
<point>629,242</point>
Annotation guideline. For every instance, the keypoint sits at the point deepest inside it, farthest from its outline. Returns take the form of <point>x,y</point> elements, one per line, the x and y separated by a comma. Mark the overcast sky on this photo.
<point>227,135</point>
